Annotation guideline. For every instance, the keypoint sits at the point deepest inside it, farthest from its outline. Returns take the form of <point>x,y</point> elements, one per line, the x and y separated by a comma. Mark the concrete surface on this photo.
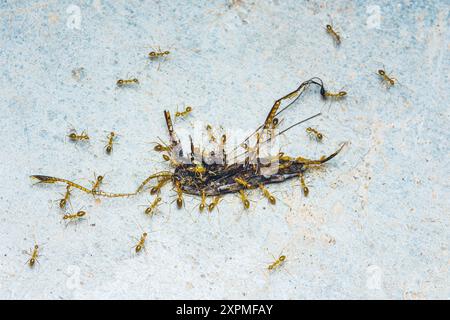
<point>376,222</point>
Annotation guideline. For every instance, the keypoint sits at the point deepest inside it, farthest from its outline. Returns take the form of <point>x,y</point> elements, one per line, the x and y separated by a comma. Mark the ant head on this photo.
<point>152,54</point>
<point>99,178</point>
<point>108,149</point>
<point>381,72</point>
<point>36,246</point>
<point>119,82</point>
<point>179,203</point>
<point>72,135</point>
<point>329,27</point>
<point>282,258</point>
<point>188,108</point>
<point>246,204</point>
<point>144,234</point>
<point>135,80</point>
<point>342,93</point>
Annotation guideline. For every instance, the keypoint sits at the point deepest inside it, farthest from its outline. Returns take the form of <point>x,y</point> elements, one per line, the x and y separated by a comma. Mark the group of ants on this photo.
<point>165,176</point>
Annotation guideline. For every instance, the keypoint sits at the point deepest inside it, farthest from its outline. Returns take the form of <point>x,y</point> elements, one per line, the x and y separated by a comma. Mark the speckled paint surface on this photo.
<point>376,222</point>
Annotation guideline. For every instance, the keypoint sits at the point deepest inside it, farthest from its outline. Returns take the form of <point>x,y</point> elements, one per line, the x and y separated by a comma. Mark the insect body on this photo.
<point>126,82</point>
<point>161,183</point>
<point>141,243</point>
<point>96,184</point>
<point>63,201</point>
<point>303,184</point>
<point>243,183</point>
<point>179,194</point>
<point>150,210</point>
<point>387,79</point>
<point>160,147</point>
<point>244,199</point>
<point>109,145</point>
<point>158,53</point>
<point>183,113</point>
<point>267,194</point>
<point>214,203</point>
<point>74,136</point>
<point>314,133</point>
<point>334,34</point>
<point>34,254</point>
<point>277,263</point>
<point>335,95</point>
<point>74,216</point>
<point>202,205</point>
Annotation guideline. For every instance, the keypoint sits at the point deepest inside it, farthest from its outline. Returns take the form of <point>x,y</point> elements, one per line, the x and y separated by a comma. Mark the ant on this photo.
<point>161,183</point>
<point>124,82</point>
<point>214,203</point>
<point>303,184</point>
<point>334,34</point>
<point>387,79</point>
<point>314,133</point>
<point>74,136</point>
<point>96,184</point>
<point>151,210</point>
<point>141,243</point>
<point>243,183</point>
<point>267,194</point>
<point>109,145</point>
<point>158,53</point>
<point>63,201</point>
<point>34,254</point>
<point>74,216</point>
<point>183,113</point>
<point>244,199</point>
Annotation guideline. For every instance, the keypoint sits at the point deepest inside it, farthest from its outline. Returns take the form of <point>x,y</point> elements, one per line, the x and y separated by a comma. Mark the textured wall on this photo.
<point>376,222</point>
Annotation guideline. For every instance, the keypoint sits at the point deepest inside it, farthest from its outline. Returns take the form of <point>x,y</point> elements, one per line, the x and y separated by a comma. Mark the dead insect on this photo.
<point>205,179</point>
